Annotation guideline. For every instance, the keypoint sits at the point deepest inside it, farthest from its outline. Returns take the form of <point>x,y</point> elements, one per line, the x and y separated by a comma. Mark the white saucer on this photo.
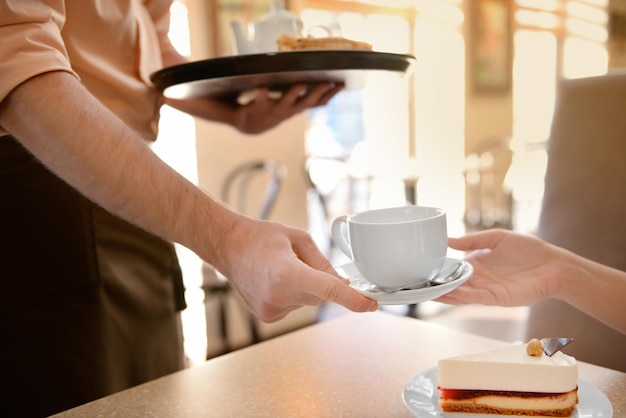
<point>421,397</point>
<point>405,297</point>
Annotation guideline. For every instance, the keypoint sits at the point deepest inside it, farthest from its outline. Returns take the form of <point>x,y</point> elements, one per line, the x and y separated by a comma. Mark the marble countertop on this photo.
<point>355,365</point>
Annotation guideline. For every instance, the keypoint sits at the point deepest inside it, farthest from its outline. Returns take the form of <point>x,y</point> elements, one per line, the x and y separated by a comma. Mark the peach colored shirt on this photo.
<point>112,46</point>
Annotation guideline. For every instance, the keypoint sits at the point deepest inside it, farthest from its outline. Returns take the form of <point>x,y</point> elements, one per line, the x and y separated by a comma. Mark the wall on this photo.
<point>487,116</point>
<point>220,148</point>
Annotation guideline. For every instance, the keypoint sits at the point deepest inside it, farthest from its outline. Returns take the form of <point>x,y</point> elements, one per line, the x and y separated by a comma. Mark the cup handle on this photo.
<point>339,233</point>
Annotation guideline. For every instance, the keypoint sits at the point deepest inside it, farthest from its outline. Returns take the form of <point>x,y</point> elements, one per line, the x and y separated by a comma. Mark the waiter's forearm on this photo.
<point>67,129</point>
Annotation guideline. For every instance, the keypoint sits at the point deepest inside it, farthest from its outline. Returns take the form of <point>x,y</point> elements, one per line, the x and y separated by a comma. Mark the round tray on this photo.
<point>228,76</point>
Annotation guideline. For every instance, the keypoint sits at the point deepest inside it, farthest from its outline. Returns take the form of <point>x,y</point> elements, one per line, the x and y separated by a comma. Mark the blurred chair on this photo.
<point>489,203</point>
<point>240,187</point>
<point>252,189</point>
<point>584,206</point>
<point>330,185</point>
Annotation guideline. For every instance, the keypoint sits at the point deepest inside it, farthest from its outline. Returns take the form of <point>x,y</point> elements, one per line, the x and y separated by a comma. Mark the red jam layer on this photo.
<point>460,394</point>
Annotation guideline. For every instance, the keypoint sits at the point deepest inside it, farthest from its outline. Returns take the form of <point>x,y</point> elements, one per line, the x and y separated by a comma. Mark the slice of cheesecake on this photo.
<point>509,381</point>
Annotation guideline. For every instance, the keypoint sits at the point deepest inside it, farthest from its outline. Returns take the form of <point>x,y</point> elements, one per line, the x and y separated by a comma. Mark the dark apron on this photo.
<point>89,304</point>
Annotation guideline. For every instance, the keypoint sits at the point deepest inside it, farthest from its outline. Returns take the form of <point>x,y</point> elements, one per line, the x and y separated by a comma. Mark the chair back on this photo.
<point>489,203</point>
<point>254,181</point>
<point>584,206</point>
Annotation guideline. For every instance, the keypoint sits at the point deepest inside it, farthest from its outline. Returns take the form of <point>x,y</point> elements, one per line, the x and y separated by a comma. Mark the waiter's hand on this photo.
<point>264,110</point>
<point>261,110</point>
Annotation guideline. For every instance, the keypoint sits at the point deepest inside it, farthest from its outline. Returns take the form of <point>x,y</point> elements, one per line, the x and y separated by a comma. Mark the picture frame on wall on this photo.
<point>490,45</point>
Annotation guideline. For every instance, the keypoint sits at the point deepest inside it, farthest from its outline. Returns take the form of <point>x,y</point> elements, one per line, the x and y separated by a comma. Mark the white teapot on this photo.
<point>262,34</point>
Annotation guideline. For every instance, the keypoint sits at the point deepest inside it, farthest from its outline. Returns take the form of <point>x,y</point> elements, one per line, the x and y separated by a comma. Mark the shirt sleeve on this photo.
<point>160,14</point>
<point>31,41</point>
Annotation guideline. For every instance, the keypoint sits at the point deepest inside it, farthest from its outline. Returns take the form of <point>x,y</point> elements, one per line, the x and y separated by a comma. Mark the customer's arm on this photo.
<point>512,269</point>
<point>276,268</point>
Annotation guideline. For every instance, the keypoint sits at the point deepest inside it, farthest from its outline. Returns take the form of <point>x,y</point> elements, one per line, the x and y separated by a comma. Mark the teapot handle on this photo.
<point>341,236</point>
<point>276,5</point>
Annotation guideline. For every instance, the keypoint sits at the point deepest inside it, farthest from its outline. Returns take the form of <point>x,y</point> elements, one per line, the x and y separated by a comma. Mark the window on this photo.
<point>372,123</point>
<point>397,129</point>
<point>553,39</point>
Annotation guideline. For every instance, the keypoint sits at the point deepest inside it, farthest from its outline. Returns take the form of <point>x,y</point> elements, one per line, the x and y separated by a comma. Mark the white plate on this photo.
<point>405,297</point>
<point>422,398</point>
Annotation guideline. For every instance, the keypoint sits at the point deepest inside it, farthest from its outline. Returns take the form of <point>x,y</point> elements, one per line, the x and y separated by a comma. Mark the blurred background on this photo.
<point>465,132</point>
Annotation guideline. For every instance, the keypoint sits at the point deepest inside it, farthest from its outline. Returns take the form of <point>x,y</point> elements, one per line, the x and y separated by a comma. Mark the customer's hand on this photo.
<point>509,269</point>
<point>278,269</point>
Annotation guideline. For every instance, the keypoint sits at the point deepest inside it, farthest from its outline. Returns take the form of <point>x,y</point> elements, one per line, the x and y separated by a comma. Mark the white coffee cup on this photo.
<point>394,247</point>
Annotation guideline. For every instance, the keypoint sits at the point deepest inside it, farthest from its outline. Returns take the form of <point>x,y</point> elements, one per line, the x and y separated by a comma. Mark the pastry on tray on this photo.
<point>288,43</point>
